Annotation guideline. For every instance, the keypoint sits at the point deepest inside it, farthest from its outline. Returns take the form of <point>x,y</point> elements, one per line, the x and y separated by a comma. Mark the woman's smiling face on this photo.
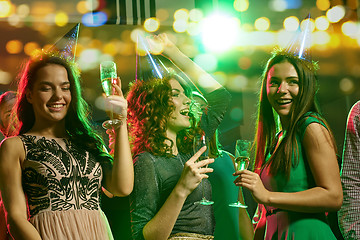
<point>179,118</point>
<point>282,87</point>
<point>50,95</point>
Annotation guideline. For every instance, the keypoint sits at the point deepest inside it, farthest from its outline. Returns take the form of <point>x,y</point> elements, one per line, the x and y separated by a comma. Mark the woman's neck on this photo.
<point>172,136</point>
<point>56,130</point>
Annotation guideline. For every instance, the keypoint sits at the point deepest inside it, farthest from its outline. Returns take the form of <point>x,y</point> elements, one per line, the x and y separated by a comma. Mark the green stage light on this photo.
<point>219,32</point>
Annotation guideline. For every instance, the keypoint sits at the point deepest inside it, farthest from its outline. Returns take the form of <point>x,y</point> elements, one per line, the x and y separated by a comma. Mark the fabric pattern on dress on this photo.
<point>62,185</point>
<point>281,224</point>
<point>349,214</point>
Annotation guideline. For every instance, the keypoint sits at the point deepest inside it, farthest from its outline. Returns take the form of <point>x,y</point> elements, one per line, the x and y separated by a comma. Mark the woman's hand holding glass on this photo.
<point>116,104</point>
<point>194,171</point>
<point>252,181</point>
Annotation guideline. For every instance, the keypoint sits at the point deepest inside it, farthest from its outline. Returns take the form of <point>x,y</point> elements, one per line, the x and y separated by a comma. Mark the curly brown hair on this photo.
<point>149,110</point>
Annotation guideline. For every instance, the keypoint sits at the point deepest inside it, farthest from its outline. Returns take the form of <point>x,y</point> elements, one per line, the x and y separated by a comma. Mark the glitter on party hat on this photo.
<point>148,65</point>
<point>66,45</point>
<point>301,43</point>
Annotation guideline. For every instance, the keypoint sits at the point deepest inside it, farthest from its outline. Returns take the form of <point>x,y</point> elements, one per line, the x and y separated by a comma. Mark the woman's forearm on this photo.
<point>161,225</point>
<point>22,229</point>
<point>316,199</point>
<point>194,71</point>
<point>122,174</point>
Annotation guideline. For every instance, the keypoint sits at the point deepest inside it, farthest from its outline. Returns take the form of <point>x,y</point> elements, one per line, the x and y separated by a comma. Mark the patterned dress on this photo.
<point>62,185</point>
<point>282,224</point>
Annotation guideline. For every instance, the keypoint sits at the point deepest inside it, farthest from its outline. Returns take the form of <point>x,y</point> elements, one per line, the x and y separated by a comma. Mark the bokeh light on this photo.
<point>323,5</point>
<point>95,19</point>
<point>61,19</point>
<point>5,77</point>
<point>151,24</point>
<point>193,29</point>
<point>236,114</point>
<point>262,24</point>
<point>278,5</point>
<point>219,32</point>
<point>82,7</point>
<point>322,23</point>
<point>241,5</point>
<point>89,59</point>
<point>14,46</point>
<point>180,26</point>
<point>335,14</point>
<point>291,23</point>
<point>5,9</point>
<point>321,38</point>
<point>162,14</point>
<point>308,22</point>
<point>15,20</point>
<point>350,29</point>
<point>23,10</point>
<point>195,15</point>
<point>181,14</point>
<point>30,48</point>
<point>347,85</point>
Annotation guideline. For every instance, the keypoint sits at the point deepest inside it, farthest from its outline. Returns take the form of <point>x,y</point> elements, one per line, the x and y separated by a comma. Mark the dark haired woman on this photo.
<point>297,175</point>
<point>167,173</point>
<point>54,169</point>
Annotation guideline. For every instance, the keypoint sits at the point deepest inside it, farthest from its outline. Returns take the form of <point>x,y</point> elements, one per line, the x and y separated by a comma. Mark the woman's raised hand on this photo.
<point>194,171</point>
<point>117,103</point>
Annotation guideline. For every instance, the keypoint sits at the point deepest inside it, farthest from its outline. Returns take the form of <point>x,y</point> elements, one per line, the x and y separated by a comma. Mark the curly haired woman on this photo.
<point>167,173</point>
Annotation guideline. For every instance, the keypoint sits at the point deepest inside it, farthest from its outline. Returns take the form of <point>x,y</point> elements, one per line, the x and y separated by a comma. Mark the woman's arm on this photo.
<point>11,155</point>
<point>147,219</point>
<point>326,196</point>
<point>120,180</point>
<point>194,71</point>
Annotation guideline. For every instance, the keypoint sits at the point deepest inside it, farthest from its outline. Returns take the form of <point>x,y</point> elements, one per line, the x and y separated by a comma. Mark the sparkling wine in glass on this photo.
<point>242,162</point>
<point>200,141</point>
<point>108,76</point>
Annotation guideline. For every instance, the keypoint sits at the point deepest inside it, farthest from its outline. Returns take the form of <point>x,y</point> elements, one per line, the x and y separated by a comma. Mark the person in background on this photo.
<point>7,101</point>
<point>231,223</point>
<point>52,172</point>
<point>349,215</point>
<point>296,174</point>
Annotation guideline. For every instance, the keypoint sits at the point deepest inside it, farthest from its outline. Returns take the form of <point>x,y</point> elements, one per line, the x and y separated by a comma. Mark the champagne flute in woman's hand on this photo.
<point>242,161</point>
<point>199,142</point>
<point>108,76</point>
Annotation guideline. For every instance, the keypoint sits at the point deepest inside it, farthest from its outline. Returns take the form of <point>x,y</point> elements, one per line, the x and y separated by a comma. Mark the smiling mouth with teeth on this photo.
<point>184,112</point>
<point>283,101</point>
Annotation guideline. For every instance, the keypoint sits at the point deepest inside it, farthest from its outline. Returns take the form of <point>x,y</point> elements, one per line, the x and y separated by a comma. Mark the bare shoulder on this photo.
<point>316,132</point>
<point>12,147</point>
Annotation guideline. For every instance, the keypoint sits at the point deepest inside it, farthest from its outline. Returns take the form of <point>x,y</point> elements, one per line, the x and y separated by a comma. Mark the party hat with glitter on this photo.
<point>149,65</point>
<point>66,45</point>
<point>301,43</point>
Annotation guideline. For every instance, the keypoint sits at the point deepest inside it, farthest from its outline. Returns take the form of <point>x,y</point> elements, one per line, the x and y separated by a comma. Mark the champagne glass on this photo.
<point>108,76</point>
<point>200,141</point>
<point>242,161</point>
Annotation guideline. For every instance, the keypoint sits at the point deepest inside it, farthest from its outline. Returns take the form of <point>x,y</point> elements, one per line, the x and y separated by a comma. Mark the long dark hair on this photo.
<point>267,120</point>
<point>77,120</point>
